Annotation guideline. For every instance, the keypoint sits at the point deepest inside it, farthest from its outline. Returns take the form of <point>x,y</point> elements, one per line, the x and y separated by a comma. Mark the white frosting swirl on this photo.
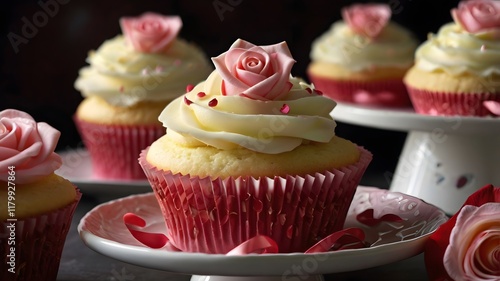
<point>123,76</point>
<point>393,47</point>
<point>262,126</point>
<point>456,51</point>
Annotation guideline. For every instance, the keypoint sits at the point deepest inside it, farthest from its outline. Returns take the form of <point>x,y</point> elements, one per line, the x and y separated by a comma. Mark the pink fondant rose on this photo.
<point>150,32</point>
<point>27,147</point>
<point>257,72</point>
<point>467,247</point>
<point>367,19</point>
<point>477,15</point>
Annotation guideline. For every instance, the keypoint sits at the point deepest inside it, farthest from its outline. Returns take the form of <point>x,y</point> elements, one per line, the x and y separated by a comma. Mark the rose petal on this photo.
<point>492,106</point>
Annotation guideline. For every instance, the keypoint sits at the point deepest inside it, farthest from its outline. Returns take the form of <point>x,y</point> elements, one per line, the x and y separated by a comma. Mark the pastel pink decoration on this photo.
<point>150,32</point>
<point>367,19</point>
<point>27,146</point>
<point>256,72</point>
<point>474,249</point>
<point>478,15</point>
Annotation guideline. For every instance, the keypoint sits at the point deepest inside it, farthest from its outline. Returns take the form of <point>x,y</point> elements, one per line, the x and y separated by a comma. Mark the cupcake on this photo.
<point>129,81</point>
<point>36,205</point>
<point>457,70</point>
<point>252,151</point>
<point>362,59</point>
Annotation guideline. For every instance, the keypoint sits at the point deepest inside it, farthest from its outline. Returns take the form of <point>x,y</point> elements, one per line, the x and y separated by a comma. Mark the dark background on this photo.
<point>38,77</point>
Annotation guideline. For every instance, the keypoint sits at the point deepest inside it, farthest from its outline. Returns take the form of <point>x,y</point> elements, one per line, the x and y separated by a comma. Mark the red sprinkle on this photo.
<point>213,102</point>
<point>187,101</point>
<point>318,92</point>
<point>189,88</point>
<point>309,90</point>
<point>285,109</point>
<point>121,89</point>
<point>201,94</point>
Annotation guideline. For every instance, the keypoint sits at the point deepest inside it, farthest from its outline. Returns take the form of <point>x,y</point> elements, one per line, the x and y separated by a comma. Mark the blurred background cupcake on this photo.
<point>129,81</point>
<point>363,57</point>
<point>36,205</point>
<point>457,70</point>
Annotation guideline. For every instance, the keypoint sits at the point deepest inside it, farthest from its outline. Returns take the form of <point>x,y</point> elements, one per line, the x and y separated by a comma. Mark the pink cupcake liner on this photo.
<point>449,104</point>
<point>387,93</point>
<point>114,149</point>
<point>39,242</point>
<point>216,215</point>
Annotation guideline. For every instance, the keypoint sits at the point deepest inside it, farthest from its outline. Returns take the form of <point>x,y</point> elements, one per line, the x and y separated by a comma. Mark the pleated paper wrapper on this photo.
<point>450,104</point>
<point>114,149</point>
<point>383,93</point>
<point>216,215</point>
<point>39,242</point>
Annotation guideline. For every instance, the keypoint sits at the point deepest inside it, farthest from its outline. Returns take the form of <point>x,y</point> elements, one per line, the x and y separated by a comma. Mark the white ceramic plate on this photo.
<point>407,120</point>
<point>77,168</point>
<point>103,230</point>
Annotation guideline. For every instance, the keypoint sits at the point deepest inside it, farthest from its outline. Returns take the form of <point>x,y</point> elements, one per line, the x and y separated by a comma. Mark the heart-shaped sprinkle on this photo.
<point>187,101</point>
<point>285,109</point>
<point>213,102</point>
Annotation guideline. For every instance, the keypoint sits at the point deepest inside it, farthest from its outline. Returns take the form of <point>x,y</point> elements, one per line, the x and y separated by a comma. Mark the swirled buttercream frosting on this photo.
<point>457,51</point>
<point>204,116</point>
<point>393,47</point>
<point>124,76</point>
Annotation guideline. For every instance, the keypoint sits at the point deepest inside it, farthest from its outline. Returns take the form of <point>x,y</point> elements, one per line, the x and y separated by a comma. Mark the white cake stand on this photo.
<point>444,159</point>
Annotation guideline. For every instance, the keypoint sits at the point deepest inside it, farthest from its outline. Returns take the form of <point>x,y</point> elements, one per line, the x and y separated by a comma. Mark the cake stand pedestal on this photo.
<point>444,159</point>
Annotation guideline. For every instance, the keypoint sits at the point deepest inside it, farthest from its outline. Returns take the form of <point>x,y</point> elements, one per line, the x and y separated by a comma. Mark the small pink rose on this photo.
<point>474,249</point>
<point>477,15</point>
<point>27,146</point>
<point>257,72</point>
<point>150,32</point>
<point>367,19</point>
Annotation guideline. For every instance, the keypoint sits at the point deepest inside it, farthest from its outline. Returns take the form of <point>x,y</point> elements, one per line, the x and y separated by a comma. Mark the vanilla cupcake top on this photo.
<point>365,38</point>
<point>26,148</point>
<point>470,44</point>
<point>251,101</point>
<point>147,63</point>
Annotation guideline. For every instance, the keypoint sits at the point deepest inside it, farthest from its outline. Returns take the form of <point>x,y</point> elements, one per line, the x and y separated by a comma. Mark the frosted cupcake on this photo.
<point>252,151</point>
<point>36,205</point>
<point>129,81</point>
<point>363,58</point>
<point>457,70</point>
